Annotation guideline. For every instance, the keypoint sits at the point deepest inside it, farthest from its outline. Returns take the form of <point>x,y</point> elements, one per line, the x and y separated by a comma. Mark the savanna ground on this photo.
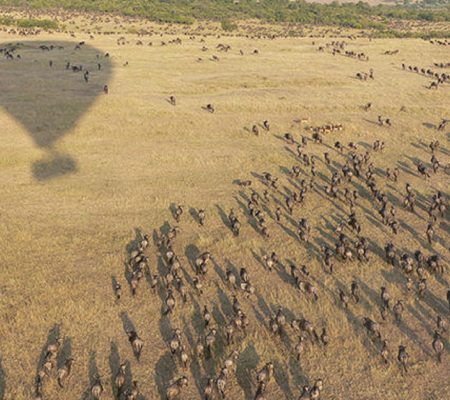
<point>83,174</point>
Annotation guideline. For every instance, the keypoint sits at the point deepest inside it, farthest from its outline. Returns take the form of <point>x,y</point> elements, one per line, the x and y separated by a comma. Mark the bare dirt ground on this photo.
<point>84,174</point>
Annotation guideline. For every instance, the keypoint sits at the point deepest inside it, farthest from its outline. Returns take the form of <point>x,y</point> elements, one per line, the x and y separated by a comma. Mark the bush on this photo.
<point>45,24</point>
<point>37,23</point>
<point>228,26</point>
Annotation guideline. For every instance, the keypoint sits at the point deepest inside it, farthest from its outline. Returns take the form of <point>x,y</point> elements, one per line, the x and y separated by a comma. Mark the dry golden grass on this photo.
<point>64,238</point>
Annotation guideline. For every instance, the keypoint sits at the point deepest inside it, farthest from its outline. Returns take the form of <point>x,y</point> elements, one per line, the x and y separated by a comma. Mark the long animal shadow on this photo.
<point>127,323</point>
<point>248,361</point>
<point>281,377</point>
<point>163,374</point>
<point>93,375</point>
<point>223,216</point>
<point>47,87</point>
<point>133,244</point>
<point>195,367</point>
<point>194,213</point>
<point>192,252</point>
<point>2,381</point>
<point>65,352</point>
<point>114,363</point>
<point>53,334</point>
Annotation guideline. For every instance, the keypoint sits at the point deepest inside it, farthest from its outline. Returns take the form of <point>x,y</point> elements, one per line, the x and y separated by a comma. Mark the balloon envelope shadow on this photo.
<point>47,86</point>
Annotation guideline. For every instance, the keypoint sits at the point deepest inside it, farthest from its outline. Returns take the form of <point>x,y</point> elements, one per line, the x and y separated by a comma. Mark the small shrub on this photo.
<point>227,25</point>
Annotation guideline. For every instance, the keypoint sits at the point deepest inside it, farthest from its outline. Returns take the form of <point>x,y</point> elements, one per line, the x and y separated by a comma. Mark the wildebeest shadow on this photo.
<point>93,374</point>
<point>429,125</point>
<point>192,252</point>
<point>2,381</point>
<point>194,214</point>
<point>164,373</point>
<point>128,325</point>
<point>47,86</point>
<point>114,363</point>
<point>194,367</point>
<point>65,352</point>
<point>134,243</point>
<point>281,377</point>
<point>248,361</point>
<point>371,122</point>
<point>53,335</point>
<point>223,216</point>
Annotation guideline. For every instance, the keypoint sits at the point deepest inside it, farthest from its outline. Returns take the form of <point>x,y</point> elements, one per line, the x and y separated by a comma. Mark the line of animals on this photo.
<point>444,42</point>
<point>363,76</point>
<point>338,47</point>
<point>440,78</point>
<point>442,65</point>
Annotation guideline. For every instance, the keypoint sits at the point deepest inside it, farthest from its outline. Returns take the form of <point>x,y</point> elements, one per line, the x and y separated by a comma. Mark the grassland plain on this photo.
<point>135,154</point>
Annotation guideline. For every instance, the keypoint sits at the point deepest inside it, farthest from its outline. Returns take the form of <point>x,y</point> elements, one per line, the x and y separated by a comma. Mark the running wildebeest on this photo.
<point>97,389</point>
<point>175,389</point>
<point>403,357</point>
<point>438,346</point>
<point>136,343</point>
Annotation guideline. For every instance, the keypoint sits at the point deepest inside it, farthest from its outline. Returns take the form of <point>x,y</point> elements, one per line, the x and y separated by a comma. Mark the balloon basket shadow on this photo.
<point>53,167</point>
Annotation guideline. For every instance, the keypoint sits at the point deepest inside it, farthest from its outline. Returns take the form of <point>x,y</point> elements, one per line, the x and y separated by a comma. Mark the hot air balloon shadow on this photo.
<point>44,86</point>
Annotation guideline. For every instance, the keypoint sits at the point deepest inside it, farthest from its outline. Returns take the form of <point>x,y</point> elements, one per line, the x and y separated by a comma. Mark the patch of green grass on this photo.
<point>45,24</point>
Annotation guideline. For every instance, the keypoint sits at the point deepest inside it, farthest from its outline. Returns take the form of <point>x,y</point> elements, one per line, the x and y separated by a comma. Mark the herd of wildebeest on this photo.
<point>271,202</point>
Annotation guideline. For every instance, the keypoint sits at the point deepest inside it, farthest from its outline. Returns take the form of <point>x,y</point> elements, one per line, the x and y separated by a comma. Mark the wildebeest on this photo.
<point>175,389</point>
<point>403,357</point>
<point>136,343</point>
